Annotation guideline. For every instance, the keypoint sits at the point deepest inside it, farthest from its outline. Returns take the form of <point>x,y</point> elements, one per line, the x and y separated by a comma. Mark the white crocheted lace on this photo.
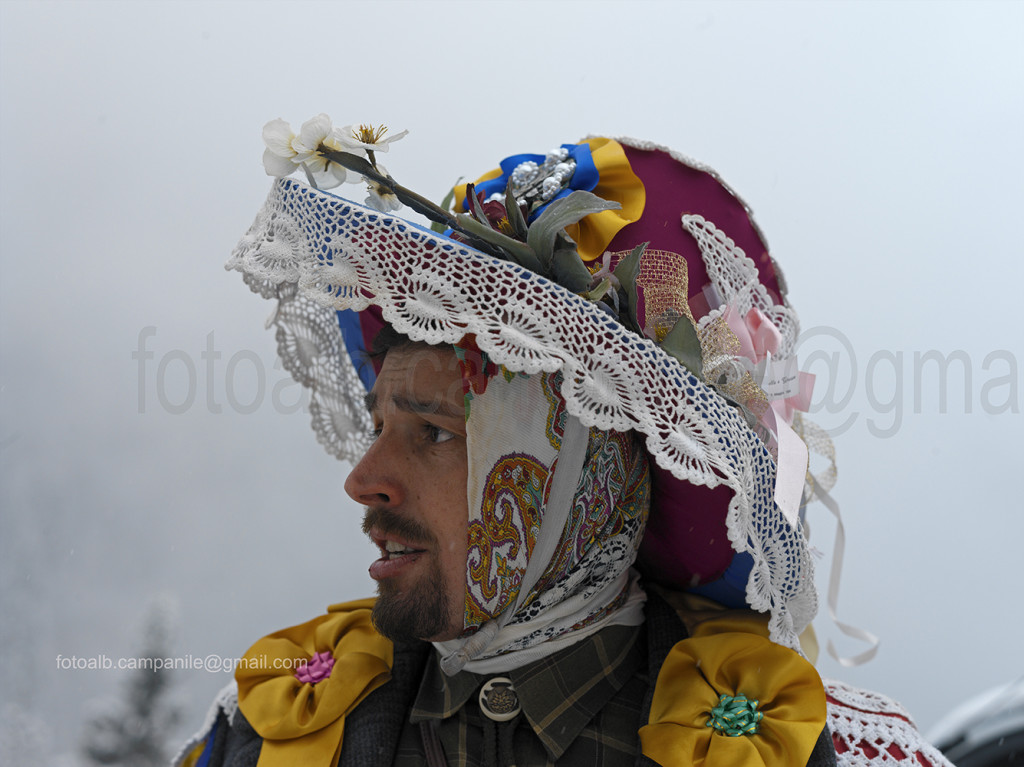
<point>869,729</point>
<point>736,278</point>
<point>317,253</point>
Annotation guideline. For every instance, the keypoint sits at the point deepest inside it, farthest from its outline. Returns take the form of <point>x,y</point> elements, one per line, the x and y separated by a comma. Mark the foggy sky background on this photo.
<point>878,144</point>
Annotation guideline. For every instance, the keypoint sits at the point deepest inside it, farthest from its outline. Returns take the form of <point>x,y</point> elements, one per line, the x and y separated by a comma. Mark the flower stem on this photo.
<point>309,176</point>
<point>407,197</point>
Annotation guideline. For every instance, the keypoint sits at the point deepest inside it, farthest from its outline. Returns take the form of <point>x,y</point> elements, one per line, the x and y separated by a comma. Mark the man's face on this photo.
<point>412,481</point>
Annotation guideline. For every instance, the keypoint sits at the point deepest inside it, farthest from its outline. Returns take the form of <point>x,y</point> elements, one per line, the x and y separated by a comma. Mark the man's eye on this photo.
<point>437,434</point>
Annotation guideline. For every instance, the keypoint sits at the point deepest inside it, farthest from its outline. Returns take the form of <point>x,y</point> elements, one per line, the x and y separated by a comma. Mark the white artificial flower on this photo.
<point>380,197</point>
<point>368,138</point>
<point>279,167</point>
<point>278,135</point>
<point>278,159</point>
<point>314,133</point>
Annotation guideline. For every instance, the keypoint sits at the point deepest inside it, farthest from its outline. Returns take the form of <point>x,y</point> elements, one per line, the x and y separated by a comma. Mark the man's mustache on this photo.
<point>389,522</point>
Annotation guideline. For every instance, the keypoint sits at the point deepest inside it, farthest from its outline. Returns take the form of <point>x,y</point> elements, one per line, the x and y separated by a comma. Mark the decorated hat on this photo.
<point>631,270</point>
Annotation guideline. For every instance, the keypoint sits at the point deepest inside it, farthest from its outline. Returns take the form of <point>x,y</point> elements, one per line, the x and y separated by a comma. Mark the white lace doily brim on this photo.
<point>318,253</point>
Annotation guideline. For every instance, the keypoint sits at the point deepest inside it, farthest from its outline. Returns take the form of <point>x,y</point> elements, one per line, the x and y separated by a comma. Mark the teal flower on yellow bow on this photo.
<point>737,699</point>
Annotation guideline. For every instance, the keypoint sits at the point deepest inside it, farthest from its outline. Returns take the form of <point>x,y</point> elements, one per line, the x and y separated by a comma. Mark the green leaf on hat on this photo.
<point>626,272</point>
<point>570,272</point>
<point>600,291</point>
<point>446,203</point>
<point>683,344</point>
<point>474,205</point>
<point>519,252</point>
<point>514,214</point>
<point>407,197</point>
<point>560,214</point>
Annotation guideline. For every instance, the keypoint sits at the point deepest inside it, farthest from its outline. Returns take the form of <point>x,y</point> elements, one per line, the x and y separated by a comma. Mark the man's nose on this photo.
<point>374,480</point>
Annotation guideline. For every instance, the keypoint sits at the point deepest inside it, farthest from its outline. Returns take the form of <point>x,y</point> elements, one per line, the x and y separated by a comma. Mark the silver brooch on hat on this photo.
<point>533,183</point>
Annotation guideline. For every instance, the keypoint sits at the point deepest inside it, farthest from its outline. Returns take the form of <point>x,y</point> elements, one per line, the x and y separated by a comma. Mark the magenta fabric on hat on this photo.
<point>674,189</point>
<point>687,543</point>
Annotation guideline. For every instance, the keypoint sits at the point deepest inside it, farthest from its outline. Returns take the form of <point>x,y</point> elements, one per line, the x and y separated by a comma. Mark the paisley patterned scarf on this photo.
<point>556,513</point>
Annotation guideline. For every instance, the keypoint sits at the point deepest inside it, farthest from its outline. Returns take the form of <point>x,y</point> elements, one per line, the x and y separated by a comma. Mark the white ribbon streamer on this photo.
<point>839,546</point>
<point>791,467</point>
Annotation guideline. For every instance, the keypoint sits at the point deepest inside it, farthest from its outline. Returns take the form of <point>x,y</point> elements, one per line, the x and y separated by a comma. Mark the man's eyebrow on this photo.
<point>409,404</point>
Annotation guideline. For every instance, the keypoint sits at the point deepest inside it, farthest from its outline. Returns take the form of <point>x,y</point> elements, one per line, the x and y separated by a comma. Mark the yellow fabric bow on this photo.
<point>698,671</point>
<point>617,183</point>
<point>304,722</point>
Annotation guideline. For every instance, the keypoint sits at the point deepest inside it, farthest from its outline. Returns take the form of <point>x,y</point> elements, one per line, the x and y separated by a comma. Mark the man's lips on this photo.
<point>385,567</point>
<point>382,539</point>
<point>397,554</point>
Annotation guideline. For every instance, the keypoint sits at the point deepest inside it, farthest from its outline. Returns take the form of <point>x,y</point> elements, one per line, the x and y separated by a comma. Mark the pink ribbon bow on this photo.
<point>788,389</point>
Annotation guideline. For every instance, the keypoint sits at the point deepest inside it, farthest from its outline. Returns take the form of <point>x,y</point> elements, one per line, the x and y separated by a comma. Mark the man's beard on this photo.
<point>422,611</point>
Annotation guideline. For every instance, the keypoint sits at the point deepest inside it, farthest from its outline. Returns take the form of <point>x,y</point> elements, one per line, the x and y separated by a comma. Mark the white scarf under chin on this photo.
<point>457,654</point>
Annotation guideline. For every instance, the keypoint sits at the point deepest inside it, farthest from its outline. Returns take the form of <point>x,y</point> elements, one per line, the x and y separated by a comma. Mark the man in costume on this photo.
<point>572,409</point>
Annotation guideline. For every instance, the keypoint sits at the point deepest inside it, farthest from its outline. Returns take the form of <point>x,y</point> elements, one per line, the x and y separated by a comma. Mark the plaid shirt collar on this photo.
<point>559,694</point>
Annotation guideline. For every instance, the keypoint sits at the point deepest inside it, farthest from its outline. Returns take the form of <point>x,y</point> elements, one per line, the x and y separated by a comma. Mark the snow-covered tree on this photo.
<point>132,730</point>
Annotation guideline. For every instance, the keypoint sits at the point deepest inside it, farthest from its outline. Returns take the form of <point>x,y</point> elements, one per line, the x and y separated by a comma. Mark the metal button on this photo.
<point>498,699</point>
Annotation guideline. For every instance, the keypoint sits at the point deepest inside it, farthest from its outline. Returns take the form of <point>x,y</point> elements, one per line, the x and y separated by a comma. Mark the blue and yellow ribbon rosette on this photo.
<point>601,168</point>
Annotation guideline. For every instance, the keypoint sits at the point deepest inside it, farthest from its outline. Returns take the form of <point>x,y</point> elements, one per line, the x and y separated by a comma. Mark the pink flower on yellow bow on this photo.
<point>318,668</point>
<point>296,686</point>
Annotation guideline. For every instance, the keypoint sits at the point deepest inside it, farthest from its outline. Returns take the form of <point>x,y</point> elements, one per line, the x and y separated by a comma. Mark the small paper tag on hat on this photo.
<point>781,378</point>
